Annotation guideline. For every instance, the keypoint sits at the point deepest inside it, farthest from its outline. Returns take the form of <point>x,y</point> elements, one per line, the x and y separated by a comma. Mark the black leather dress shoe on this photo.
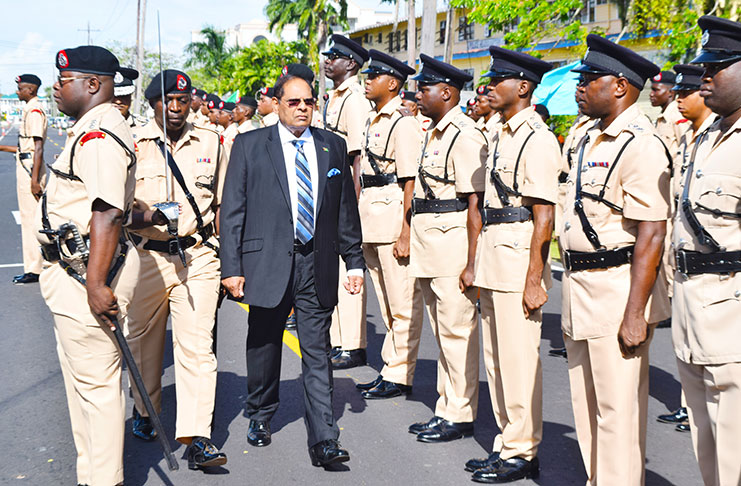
<point>349,359</point>
<point>557,352</point>
<point>508,470</point>
<point>419,427</point>
<point>328,452</point>
<point>676,417</point>
<point>446,431</point>
<point>258,434</point>
<point>26,278</point>
<point>203,453</point>
<point>473,465</point>
<point>370,384</point>
<point>683,427</point>
<point>142,427</point>
<point>386,389</point>
<point>665,323</point>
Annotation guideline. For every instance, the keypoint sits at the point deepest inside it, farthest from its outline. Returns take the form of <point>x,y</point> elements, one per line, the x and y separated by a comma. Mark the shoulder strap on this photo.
<point>388,140</point>
<point>336,126</point>
<point>70,175</point>
<point>503,190</point>
<point>181,181</point>
<point>601,196</point>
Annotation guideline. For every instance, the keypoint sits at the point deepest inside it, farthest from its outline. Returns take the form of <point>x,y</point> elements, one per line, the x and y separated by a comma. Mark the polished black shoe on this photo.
<point>418,427</point>
<point>557,352</point>
<point>203,453</point>
<point>328,452</point>
<point>473,465</point>
<point>370,384</point>
<point>142,427</point>
<point>683,427</point>
<point>291,322</point>
<point>665,323</point>
<point>26,278</point>
<point>258,434</point>
<point>349,359</point>
<point>446,431</point>
<point>336,351</point>
<point>508,470</point>
<point>676,417</point>
<point>386,389</point>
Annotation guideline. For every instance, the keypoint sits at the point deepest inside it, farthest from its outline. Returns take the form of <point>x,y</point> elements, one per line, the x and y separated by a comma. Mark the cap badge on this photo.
<point>284,71</point>
<point>680,77</point>
<point>264,91</point>
<point>118,78</point>
<point>182,83</point>
<point>657,78</point>
<point>221,105</point>
<point>705,37</point>
<point>210,104</point>
<point>62,60</point>
<point>17,79</point>
<point>193,91</point>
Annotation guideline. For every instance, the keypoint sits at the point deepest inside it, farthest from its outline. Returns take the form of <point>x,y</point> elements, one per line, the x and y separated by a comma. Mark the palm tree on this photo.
<point>210,54</point>
<point>314,19</point>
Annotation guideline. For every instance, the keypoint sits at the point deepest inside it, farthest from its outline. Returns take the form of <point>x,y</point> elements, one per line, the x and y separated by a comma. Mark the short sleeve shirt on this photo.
<point>33,125</point>
<point>346,111</point>
<point>670,126</point>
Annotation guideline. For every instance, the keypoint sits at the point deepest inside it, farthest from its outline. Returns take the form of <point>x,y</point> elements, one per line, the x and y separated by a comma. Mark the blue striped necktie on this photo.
<point>305,213</point>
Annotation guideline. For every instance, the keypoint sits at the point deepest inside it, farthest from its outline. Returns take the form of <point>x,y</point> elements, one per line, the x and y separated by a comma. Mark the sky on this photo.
<point>29,45</point>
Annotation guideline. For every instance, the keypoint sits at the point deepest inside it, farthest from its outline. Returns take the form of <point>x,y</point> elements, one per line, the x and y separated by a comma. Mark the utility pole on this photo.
<point>429,21</point>
<point>89,30</point>
<point>141,13</point>
<point>448,50</point>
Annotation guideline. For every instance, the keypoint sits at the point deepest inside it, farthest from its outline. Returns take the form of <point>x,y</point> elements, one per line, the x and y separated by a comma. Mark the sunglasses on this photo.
<point>294,102</point>
<point>63,79</point>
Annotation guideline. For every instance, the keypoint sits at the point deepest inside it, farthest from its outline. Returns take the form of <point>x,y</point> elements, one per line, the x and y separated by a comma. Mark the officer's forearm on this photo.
<point>8,148</point>
<point>38,159</point>
<point>408,195</point>
<point>540,241</point>
<point>473,226</point>
<point>645,265</point>
<point>105,228</point>
<point>144,219</point>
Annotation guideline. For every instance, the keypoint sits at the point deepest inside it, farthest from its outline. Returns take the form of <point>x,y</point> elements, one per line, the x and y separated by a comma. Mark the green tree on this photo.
<point>209,56</point>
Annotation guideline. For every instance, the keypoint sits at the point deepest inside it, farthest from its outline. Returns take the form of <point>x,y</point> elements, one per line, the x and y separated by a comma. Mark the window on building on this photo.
<point>380,38</point>
<point>602,2</point>
<point>587,13</point>
<point>511,26</point>
<point>465,30</point>
<point>367,39</point>
<point>390,40</point>
<point>404,38</point>
<point>469,85</point>
<point>488,31</point>
<point>441,40</point>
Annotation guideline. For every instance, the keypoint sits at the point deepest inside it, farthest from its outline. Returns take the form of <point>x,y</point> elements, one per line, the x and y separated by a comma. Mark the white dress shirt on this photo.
<point>289,158</point>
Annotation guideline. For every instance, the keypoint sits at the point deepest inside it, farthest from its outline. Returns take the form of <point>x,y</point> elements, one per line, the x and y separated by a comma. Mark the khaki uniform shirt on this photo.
<point>228,138</point>
<point>105,170</point>
<point>269,120</point>
<point>670,126</point>
<point>576,132</point>
<point>686,145</point>
<point>504,249</point>
<point>423,121</point>
<point>346,111</point>
<point>594,300</point>
<point>490,127</point>
<point>439,241</point>
<point>245,126</point>
<point>708,329</point>
<point>382,208</point>
<point>33,124</point>
<point>202,161</point>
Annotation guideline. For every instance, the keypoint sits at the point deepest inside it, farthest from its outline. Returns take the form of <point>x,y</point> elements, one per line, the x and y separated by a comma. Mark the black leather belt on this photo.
<point>303,249</point>
<point>24,155</point>
<point>50,251</point>
<point>170,246</point>
<point>506,215</point>
<point>575,261</point>
<point>694,262</point>
<point>438,205</point>
<point>379,180</point>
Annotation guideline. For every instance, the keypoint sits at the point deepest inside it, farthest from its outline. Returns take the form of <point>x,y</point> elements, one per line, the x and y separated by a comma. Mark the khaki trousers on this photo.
<point>455,326</point>
<point>400,299</point>
<point>512,359</point>
<point>348,329</point>
<point>91,369</point>
<point>27,203</point>
<point>189,296</point>
<point>609,395</point>
<point>714,405</point>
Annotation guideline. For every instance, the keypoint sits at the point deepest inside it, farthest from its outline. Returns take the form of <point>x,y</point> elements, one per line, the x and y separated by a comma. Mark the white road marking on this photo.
<point>10,265</point>
<point>17,216</point>
<point>7,132</point>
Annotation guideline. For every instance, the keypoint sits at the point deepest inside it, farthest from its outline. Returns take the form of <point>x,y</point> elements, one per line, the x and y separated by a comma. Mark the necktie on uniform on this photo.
<point>305,213</point>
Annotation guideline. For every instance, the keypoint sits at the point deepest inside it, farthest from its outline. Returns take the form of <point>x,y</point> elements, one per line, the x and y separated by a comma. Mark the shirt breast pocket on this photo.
<point>719,200</point>
<point>593,181</point>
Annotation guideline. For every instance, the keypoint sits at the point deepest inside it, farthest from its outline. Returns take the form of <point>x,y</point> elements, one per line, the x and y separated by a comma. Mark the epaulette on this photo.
<point>90,136</point>
<point>635,128</point>
<point>36,110</point>
<point>535,123</point>
<point>683,120</point>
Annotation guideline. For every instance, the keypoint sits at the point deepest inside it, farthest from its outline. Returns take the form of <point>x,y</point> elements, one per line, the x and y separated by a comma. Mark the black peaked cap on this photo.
<point>606,57</point>
<point>507,63</point>
<point>88,59</point>
<point>382,63</point>
<point>347,47</point>
<point>434,71</point>
<point>175,82</point>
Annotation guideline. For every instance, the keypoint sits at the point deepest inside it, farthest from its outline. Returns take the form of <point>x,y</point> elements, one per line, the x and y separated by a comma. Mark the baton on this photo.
<point>172,463</point>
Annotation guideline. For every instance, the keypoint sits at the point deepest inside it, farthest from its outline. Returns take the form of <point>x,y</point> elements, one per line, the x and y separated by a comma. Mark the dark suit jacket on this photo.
<point>256,224</point>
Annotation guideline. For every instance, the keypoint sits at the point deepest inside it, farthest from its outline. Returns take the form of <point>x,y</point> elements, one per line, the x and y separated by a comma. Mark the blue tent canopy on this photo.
<point>556,90</point>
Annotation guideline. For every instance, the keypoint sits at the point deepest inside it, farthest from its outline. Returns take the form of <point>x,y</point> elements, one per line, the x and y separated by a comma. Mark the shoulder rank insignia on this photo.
<point>203,160</point>
<point>683,120</point>
<point>36,110</point>
<point>90,136</point>
<point>221,139</point>
<point>598,164</point>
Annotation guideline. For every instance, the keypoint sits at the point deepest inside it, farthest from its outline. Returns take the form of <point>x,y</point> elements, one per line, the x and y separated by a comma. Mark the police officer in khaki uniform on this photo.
<point>196,116</point>
<point>512,268</point>
<point>179,275</point>
<point>445,226</point>
<point>409,108</point>
<point>123,88</point>
<point>212,104</point>
<point>345,113</point>
<point>707,244</point>
<point>226,119</point>
<point>613,233</point>
<point>670,125</point>
<point>389,165</point>
<point>90,194</point>
<point>243,113</point>
<point>489,119</point>
<point>30,174</point>
<point>265,108</point>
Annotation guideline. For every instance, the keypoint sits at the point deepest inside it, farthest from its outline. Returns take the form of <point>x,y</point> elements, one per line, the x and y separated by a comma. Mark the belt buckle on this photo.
<point>567,260</point>
<point>172,246</point>
<point>681,259</point>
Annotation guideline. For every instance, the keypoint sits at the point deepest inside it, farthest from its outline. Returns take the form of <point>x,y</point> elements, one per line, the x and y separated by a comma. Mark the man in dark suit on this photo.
<point>289,209</point>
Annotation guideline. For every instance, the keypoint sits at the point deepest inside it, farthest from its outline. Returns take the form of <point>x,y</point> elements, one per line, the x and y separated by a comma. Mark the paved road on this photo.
<point>35,427</point>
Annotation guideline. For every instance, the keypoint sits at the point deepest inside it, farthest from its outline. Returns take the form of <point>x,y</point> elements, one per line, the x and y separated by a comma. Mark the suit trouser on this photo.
<point>455,326</point>
<point>513,370</point>
<point>189,295</point>
<point>264,346</point>
<point>91,368</point>
<point>609,395</point>
<point>348,329</point>
<point>714,406</point>
<point>400,299</point>
<point>27,208</point>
